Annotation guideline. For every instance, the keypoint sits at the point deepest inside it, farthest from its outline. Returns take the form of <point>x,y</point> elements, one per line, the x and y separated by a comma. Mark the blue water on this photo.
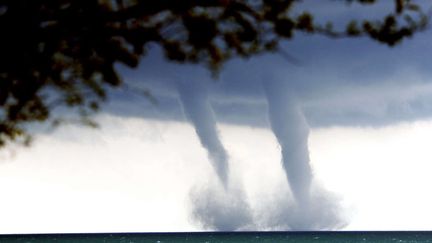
<point>229,237</point>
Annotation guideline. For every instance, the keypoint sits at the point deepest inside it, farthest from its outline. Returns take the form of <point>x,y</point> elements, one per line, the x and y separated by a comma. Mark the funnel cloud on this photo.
<point>311,208</point>
<point>197,108</point>
<point>291,130</point>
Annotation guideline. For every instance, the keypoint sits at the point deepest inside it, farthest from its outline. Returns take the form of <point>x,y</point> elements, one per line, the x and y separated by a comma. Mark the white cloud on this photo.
<point>382,173</point>
<point>137,175</point>
<point>129,176</point>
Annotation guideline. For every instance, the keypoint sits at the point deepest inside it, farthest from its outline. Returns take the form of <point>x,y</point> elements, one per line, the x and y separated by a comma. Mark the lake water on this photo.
<point>229,237</point>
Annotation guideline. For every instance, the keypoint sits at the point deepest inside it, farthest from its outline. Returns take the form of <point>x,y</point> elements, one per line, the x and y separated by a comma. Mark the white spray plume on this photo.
<point>194,99</point>
<point>223,209</point>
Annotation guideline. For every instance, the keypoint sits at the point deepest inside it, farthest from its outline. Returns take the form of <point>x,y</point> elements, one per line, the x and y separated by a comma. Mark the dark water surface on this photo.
<point>229,237</point>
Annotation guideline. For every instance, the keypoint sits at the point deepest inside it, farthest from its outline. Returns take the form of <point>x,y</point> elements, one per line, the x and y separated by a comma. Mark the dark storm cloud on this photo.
<point>348,82</point>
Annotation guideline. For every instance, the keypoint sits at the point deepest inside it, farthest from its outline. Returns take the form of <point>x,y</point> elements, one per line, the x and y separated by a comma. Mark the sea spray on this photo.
<point>214,207</point>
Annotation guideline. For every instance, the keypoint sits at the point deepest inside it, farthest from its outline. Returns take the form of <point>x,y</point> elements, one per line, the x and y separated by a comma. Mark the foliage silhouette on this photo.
<point>62,52</point>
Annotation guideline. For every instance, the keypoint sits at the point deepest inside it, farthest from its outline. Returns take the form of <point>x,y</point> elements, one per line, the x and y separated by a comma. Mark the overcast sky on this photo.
<point>352,116</point>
